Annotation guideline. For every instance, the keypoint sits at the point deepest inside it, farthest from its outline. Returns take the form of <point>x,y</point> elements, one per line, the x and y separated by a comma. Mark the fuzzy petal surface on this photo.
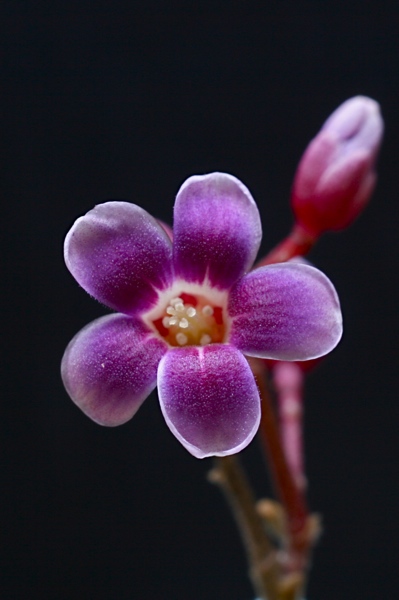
<point>120,255</point>
<point>110,367</point>
<point>209,399</point>
<point>216,229</point>
<point>287,312</point>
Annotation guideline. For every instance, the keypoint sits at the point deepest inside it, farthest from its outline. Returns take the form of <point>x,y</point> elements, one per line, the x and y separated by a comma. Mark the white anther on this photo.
<point>173,321</point>
<point>191,312</point>
<point>170,310</point>
<point>207,310</point>
<point>183,323</point>
<point>179,307</point>
<point>181,339</point>
<point>175,301</point>
<point>166,322</point>
<point>205,339</point>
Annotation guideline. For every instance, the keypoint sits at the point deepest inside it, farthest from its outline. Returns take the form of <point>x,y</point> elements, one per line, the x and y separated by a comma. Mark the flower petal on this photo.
<point>217,230</point>
<point>120,255</point>
<point>110,367</point>
<point>209,399</point>
<point>286,312</point>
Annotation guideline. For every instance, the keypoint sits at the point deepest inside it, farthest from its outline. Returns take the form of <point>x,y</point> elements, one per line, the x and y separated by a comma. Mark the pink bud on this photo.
<point>335,177</point>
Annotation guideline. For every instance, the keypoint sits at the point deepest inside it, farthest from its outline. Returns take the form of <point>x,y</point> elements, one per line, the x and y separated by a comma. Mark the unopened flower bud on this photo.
<point>336,176</point>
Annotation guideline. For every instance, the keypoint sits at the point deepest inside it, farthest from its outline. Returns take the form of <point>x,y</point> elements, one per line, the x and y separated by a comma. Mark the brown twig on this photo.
<point>262,557</point>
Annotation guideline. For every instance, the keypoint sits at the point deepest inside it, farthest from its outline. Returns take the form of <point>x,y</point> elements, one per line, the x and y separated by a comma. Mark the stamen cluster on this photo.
<point>191,321</point>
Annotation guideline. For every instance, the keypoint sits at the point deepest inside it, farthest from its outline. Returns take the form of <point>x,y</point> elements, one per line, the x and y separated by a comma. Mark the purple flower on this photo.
<point>188,312</point>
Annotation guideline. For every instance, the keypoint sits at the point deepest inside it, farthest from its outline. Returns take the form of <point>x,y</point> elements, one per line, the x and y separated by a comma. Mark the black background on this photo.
<point>124,100</point>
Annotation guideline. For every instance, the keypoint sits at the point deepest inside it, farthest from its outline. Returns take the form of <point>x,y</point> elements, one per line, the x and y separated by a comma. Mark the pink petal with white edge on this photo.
<point>120,255</point>
<point>216,229</point>
<point>110,367</point>
<point>286,312</point>
<point>209,399</point>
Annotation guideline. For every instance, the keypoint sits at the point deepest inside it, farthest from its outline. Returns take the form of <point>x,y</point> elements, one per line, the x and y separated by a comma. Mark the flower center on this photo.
<point>190,320</point>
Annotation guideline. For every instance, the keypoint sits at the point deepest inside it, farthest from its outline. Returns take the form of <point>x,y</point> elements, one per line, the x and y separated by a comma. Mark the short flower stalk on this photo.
<point>194,318</point>
<point>298,243</point>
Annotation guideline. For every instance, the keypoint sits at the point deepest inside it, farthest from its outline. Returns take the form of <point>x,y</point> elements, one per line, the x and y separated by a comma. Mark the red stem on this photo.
<point>298,243</point>
<point>291,497</point>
